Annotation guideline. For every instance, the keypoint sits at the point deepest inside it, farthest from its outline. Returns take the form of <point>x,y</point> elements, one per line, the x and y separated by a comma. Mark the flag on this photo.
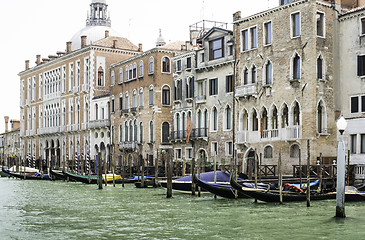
<point>189,128</point>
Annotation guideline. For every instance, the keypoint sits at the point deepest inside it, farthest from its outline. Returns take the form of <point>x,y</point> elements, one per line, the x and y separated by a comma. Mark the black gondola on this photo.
<point>274,195</point>
<point>226,191</point>
<point>29,177</point>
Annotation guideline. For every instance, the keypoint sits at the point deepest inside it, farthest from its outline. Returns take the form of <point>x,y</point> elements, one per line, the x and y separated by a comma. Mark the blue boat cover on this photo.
<point>209,177</point>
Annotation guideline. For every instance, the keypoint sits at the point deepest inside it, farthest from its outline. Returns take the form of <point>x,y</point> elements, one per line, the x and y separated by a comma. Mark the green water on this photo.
<point>66,210</point>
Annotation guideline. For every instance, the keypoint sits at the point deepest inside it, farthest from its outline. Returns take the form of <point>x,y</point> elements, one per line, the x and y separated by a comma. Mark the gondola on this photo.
<point>29,177</point>
<point>268,195</point>
<point>94,179</point>
<point>222,190</point>
<point>183,184</point>
<point>57,175</point>
<point>3,172</point>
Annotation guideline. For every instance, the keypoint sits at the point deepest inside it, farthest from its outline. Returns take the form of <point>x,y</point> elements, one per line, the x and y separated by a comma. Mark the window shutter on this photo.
<point>186,88</point>
<point>195,89</point>
<point>216,86</point>
<point>192,83</point>
<point>227,84</point>
<point>180,90</point>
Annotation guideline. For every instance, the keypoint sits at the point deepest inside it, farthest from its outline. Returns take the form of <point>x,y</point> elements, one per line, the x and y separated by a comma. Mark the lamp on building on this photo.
<point>340,192</point>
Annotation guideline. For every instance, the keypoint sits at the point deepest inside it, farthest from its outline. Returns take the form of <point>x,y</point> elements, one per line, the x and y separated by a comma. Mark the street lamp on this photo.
<point>340,193</point>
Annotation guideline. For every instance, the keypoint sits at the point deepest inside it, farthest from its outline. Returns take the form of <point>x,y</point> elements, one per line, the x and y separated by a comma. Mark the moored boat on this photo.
<point>93,179</point>
<point>37,176</point>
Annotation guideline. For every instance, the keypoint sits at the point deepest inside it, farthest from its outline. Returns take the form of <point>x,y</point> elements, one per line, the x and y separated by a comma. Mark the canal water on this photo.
<point>67,210</point>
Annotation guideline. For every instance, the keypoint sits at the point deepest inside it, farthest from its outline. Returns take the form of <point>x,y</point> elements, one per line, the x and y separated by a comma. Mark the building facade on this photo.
<point>10,143</point>
<point>58,96</point>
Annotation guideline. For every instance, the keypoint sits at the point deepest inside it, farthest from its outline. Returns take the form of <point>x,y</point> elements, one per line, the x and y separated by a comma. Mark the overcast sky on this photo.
<point>31,27</point>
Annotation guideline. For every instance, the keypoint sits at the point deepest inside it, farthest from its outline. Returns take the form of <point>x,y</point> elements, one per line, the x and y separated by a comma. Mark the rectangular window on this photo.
<point>244,40</point>
<point>267,33</point>
<point>355,104</point>
<point>229,83</point>
<point>188,63</point>
<point>362,26</point>
<point>361,65</point>
<point>178,153</point>
<point>230,50</point>
<point>362,143</point>
<point>363,103</point>
<point>202,57</point>
<point>295,24</point>
<point>214,148</point>
<point>213,86</point>
<point>178,66</point>
<point>229,148</point>
<point>253,32</point>
<point>216,49</point>
<point>353,143</point>
<point>320,24</point>
<point>188,153</point>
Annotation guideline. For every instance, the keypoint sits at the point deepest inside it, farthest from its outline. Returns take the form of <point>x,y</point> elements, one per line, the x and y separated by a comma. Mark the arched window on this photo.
<point>120,75</point>
<point>151,65</point>
<point>165,132</point>
<point>296,114</point>
<point>178,125</point>
<point>200,119</point>
<point>165,65</point>
<point>126,131</point>
<point>296,67</point>
<point>150,95</point>
<point>268,73</point>
<point>264,123</point>
<point>245,76</point>
<point>126,101</point>
<point>130,74</point>
<point>141,97</point>
<point>166,95</point>
<point>254,121</point>
<point>253,75</point>
<point>274,118</point>
<point>243,121</point>
<point>112,79</point>
<point>100,76</point>
<point>134,99</point>
<point>130,131</point>
<point>284,116</point>
<point>294,151</point>
<point>134,70</point>
<point>120,102</point>
<point>96,111</point>
<point>126,74</point>
<point>268,152</point>
<point>140,69</point>
<point>321,118</point>
<point>205,123</point>
<point>184,125</point>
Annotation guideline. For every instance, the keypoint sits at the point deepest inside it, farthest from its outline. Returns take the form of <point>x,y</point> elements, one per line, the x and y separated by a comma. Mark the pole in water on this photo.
<point>280,178</point>
<point>320,171</point>
<point>169,175</point>
<point>100,177</point>
<point>340,184</point>
<point>308,175</point>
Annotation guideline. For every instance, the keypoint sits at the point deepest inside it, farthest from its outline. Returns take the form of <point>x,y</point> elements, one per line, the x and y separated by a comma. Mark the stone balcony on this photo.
<point>246,90</point>
<point>128,146</point>
<point>102,123</point>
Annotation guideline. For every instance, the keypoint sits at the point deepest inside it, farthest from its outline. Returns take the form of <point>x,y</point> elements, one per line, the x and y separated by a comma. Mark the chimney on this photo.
<point>140,47</point>
<point>38,61</point>
<point>6,123</point>
<point>106,33</point>
<point>114,43</point>
<point>237,16</point>
<point>26,64</point>
<point>83,41</point>
<point>68,47</point>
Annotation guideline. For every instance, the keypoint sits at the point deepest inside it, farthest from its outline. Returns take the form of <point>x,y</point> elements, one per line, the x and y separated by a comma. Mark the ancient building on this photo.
<point>59,120</point>
<point>284,85</point>
<point>141,102</point>
<point>10,142</point>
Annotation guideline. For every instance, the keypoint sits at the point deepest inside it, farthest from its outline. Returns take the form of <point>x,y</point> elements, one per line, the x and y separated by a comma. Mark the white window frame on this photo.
<point>264,33</point>
<point>187,150</point>
<point>227,150</point>
<point>323,24</point>
<point>292,27</point>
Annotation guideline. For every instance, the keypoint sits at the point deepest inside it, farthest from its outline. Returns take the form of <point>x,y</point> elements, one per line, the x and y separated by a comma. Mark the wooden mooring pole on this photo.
<point>100,177</point>
<point>169,175</point>
<point>308,175</point>
<point>280,178</point>
<point>320,171</point>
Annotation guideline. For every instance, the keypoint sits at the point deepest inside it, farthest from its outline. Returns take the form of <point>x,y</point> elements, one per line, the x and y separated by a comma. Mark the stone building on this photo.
<point>203,93</point>
<point>141,104</point>
<point>58,96</point>
<point>350,91</point>
<point>285,82</point>
<point>10,142</point>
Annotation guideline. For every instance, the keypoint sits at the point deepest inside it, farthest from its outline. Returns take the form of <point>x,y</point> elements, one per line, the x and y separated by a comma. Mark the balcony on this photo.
<point>52,95</point>
<point>360,172</point>
<point>246,90</point>
<point>69,128</point>
<point>103,123</point>
<point>178,135</point>
<point>33,132</point>
<point>201,99</point>
<point>125,110</point>
<point>75,127</point>
<point>242,136</point>
<point>127,146</point>
<point>133,109</point>
<point>199,133</point>
<point>85,87</point>
<point>293,132</point>
<point>49,130</point>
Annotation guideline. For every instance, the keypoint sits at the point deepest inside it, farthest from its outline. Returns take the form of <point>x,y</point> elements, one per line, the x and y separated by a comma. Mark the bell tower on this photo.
<point>98,15</point>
